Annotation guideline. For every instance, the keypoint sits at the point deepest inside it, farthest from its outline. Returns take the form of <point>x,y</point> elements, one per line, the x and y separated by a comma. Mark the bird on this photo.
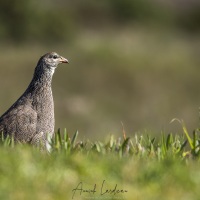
<point>31,118</point>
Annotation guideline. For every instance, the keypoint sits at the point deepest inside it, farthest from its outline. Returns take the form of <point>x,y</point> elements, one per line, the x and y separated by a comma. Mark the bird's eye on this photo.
<point>55,56</point>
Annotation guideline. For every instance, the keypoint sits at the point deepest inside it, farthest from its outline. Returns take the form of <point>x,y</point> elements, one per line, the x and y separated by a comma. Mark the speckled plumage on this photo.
<point>31,117</point>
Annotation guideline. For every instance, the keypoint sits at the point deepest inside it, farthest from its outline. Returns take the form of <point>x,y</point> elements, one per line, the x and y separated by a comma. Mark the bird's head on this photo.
<point>52,60</point>
<point>46,66</point>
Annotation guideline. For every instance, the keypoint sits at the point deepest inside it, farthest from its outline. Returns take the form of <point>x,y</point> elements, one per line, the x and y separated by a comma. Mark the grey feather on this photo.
<point>31,117</point>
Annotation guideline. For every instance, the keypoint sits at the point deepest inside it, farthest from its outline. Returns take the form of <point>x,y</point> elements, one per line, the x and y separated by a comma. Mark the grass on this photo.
<point>142,167</point>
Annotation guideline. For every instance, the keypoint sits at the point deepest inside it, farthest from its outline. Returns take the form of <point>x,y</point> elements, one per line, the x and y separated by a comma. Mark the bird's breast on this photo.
<point>43,104</point>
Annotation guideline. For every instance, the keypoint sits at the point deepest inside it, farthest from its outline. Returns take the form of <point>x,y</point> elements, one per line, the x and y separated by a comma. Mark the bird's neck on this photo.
<point>42,77</point>
<point>44,80</point>
<point>40,87</point>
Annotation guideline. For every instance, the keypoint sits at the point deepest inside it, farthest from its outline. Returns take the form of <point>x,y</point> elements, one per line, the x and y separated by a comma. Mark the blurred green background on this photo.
<point>135,61</point>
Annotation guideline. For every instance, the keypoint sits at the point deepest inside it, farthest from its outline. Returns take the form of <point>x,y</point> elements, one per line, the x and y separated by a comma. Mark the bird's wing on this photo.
<point>20,122</point>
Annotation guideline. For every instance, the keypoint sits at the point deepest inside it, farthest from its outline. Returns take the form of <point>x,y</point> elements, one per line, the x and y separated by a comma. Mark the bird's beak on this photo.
<point>63,60</point>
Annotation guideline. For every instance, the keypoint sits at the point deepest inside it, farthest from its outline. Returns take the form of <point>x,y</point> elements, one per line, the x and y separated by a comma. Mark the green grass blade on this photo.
<point>185,132</point>
<point>125,145</point>
<point>73,142</point>
<point>169,141</point>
